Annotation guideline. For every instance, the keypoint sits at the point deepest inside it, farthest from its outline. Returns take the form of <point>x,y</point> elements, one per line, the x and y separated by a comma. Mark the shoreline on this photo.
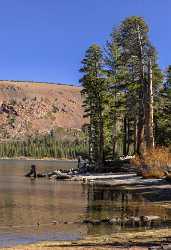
<point>37,159</point>
<point>132,240</point>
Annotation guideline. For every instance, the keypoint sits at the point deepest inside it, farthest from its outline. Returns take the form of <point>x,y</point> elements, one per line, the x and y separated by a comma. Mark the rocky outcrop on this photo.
<point>28,108</point>
<point>8,109</point>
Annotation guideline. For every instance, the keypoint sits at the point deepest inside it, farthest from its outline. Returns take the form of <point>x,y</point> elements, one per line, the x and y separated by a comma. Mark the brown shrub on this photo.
<point>154,163</point>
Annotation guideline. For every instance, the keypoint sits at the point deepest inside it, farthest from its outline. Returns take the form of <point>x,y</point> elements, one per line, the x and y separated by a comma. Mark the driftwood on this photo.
<point>32,172</point>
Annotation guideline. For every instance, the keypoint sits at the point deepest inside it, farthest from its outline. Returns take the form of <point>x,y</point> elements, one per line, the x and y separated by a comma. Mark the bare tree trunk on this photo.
<point>149,123</point>
<point>141,115</point>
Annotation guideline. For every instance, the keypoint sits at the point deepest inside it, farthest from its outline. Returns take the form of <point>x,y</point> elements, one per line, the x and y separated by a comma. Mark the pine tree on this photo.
<point>163,111</point>
<point>134,71</point>
<point>95,91</point>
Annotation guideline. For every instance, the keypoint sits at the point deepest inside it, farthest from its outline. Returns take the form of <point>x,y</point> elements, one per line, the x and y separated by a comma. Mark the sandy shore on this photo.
<point>120,241</point>
<point>34,247</point>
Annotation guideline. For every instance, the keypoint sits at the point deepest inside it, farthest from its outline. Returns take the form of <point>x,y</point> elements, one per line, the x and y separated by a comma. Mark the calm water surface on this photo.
<point>28,207</point>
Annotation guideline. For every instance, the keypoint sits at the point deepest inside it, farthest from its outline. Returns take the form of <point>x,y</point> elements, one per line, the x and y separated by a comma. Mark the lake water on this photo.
<point>28,207</point>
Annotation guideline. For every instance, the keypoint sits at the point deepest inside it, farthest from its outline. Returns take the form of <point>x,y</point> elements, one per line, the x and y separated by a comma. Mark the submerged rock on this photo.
<point>106,220</point>
<point>132,221</point>
<point>150,220</point>
<point>58,174</point>
<point>114,221</point>
<point>62,177</point>
<point>87,221</point>
<point>41,175</point>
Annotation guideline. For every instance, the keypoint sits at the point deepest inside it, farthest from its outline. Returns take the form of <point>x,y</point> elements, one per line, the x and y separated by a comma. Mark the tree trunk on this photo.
<point>141,115</point>
<point>100,158</point>
<point>125,137</point>
<point>140,125</point>
<point>149,123</point>
<point>135,135</point>
<point>101,142</point>
<point>90,147</point>
<point>114,138</point>
<point>128,137</point>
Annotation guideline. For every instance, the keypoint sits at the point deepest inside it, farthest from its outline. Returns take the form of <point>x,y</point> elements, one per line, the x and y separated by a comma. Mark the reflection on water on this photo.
<point>28,207</point>
<point>128,209</point>
<point>25,202</point>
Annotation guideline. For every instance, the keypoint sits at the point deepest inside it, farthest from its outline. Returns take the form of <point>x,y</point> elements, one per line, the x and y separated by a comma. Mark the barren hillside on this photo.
<point>28,108</point>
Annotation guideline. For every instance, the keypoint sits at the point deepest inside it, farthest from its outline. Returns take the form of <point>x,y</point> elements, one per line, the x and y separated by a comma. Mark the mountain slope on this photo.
<point>27,108</point>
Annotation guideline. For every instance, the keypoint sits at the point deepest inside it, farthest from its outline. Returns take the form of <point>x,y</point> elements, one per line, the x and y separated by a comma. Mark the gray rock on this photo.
<point>114,221</point>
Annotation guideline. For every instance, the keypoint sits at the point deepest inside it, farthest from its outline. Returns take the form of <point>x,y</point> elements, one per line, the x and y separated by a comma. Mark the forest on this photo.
<point>58,143</point>
<point>127,96</point>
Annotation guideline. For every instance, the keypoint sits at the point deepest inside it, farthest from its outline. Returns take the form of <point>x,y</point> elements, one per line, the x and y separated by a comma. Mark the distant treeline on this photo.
<point>44,146</point>
<point>29,81</point>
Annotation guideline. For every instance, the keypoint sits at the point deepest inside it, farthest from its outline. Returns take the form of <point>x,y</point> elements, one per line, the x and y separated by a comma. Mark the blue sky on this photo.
<point>45,40</point>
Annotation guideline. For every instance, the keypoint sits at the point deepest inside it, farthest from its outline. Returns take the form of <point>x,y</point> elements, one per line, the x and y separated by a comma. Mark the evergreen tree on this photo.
<point>95,91</point>
<point>163,112</point>
<point>133,72</point>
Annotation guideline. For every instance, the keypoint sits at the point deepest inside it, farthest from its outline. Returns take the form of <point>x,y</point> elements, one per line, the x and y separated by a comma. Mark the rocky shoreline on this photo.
<point>103,179</point>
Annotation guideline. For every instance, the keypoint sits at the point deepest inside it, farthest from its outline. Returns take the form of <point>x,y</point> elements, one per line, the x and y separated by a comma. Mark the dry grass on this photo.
<point>154,163</point>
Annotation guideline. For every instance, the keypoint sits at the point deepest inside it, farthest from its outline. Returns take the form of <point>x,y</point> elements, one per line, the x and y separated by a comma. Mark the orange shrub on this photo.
<point>154,163</point>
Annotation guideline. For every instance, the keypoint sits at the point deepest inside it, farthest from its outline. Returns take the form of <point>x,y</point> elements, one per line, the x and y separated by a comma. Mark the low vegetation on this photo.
<point>155,163</point>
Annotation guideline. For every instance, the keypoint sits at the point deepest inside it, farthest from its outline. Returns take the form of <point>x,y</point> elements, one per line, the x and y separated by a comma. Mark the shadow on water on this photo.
<point>53,210</point>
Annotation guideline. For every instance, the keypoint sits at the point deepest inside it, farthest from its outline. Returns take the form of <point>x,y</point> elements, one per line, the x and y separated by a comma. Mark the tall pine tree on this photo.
<point>95,91</point>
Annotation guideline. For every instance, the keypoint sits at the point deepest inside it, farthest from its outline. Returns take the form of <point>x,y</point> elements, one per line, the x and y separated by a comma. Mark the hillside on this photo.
<point>27,108</point>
